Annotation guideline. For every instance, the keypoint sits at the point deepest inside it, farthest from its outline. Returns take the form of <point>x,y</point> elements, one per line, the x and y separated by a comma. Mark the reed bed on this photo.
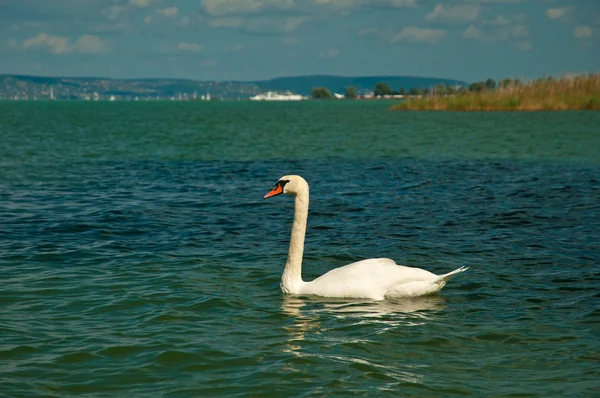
<point>566,93</point>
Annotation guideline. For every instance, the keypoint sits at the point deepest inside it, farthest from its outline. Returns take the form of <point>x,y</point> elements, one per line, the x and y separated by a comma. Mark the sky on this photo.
<point>262,39</point>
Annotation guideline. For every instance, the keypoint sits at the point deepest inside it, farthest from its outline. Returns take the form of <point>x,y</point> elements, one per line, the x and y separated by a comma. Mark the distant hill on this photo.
<point>40,87</point>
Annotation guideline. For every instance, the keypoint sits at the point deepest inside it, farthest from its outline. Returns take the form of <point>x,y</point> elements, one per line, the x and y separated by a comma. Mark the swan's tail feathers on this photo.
<point>444,278</point>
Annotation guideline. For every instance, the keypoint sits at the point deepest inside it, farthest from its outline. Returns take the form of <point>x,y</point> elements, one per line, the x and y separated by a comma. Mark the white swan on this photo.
<point>375,278</point>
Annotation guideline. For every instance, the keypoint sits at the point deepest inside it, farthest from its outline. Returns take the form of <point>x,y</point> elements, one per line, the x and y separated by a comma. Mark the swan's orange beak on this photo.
<point>278,190</point>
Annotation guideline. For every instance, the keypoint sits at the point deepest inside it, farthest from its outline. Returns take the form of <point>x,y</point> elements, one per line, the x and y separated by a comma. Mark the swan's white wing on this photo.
<point>371,278</point>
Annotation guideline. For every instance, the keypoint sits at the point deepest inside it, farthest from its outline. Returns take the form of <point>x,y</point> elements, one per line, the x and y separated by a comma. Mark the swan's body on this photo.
<point>375,278</point>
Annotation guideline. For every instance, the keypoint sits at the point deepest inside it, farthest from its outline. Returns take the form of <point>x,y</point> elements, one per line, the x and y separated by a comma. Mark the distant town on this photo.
<point>38,88</point>
<point>33,88</point>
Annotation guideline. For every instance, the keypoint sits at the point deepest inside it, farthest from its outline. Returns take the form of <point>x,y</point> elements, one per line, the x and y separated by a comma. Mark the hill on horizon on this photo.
<point>29,86</point>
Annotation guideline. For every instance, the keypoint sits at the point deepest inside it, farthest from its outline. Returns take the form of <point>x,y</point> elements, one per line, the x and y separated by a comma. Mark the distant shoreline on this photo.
<point>20,87</point>
<point>548,94</point>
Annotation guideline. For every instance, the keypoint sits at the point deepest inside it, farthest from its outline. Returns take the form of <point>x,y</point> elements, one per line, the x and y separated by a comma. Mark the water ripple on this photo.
<point>124,275</point>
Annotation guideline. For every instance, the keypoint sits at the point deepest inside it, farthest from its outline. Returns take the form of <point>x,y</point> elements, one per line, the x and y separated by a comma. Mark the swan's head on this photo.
<point>289,185</point>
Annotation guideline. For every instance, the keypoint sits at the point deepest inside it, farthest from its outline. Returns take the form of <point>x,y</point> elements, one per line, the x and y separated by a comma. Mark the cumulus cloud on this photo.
<point>168,12</point>
<point>457,13</point>
<point>291,41</point>
<point>556,13</point>
<point>524,45</point>
<point>140,3</point>
<point>354,3</point>
<point>329,54</point>
<point>217,8</point>
<point>582,32</point>
<point>340,3</point>
<point>472,33</point>
<point>224,7</point>
<point>86,44</point>
<point>498,29</point>
<point>403,3</point>
<point>259,25</point>
<point>113,13</point>
<point>54,44</point>
<point>520,31</point>
<point>495,1</point>
<point>189,47</point>
<point>368,31</point>
<point>229,22</point>
<point>413,34</point>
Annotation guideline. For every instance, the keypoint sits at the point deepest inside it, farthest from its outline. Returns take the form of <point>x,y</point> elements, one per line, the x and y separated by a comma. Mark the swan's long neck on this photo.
<point>291,281</point>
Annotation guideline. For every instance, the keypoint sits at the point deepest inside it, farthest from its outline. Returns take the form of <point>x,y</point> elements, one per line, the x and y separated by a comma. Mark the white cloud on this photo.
<point>54,44</point>
<point>224,7</point>
<point>417,35</point>
<point>524,45</point>
<point>492,32</point>
<point>189,47</point>
<point>217,8</point>
<point>229,22</point>
<point>329,54</point>
<point>582,32</point>
<point>86,44</point>
<point>353,3</point>
<point>495,1</point>
<point>113,13</point>
<point>140,3</point>
<point>368,32</point>
<point>403,3</point>
<point>168,12</point>
<point>340,3</point>
<point>519,31</point>
<point>259,25</point>
<point>291,41</point>
<point>556,13</point>
<point>209,63</point>
<point>457,13</point>
<point>472,33</point>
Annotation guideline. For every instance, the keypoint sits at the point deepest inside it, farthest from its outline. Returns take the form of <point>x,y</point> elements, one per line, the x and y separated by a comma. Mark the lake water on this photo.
<point>138,258</point>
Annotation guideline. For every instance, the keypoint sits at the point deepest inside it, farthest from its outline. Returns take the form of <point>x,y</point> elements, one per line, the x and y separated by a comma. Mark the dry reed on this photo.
<point>568,92</point>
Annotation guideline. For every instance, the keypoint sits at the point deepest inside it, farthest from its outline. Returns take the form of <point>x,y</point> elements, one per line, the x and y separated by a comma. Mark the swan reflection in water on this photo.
<point>392,310</point>
<point>317,319</point>
<point>309,313</point>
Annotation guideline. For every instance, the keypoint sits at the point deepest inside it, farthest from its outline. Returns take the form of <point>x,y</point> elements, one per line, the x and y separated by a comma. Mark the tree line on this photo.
<point>383,89</point>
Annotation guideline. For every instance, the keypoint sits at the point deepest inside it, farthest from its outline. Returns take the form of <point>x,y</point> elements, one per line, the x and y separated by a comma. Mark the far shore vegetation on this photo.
<point>568,92</point>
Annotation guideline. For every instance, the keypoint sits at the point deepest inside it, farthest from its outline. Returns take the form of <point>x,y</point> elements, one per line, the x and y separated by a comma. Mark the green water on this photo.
<point>249,131</point>
<point>138,257</point>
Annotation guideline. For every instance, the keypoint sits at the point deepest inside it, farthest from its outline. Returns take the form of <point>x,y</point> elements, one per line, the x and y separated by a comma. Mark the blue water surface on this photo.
<point>138,257</point>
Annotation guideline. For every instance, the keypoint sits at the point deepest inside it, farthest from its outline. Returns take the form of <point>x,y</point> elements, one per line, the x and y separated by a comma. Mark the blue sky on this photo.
<point>261,39</point>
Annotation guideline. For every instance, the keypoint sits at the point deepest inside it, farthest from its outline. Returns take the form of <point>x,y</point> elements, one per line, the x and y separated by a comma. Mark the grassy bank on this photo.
<point>569,92</point>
